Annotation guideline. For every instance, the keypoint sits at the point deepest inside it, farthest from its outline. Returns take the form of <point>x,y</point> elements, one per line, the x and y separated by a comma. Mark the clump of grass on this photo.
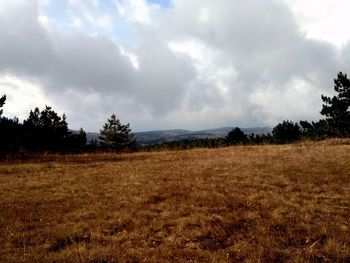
<point>240,204</point>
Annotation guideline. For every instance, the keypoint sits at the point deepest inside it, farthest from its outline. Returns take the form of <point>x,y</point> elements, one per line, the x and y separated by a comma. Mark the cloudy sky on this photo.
<point>161,64</point>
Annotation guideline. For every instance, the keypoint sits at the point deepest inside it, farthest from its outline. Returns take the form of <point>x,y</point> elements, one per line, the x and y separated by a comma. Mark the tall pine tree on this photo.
<point>116,136</point>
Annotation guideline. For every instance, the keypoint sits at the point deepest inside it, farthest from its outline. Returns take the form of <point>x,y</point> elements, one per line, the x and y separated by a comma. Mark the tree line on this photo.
<point>43,130</point>
<point>46,131</point>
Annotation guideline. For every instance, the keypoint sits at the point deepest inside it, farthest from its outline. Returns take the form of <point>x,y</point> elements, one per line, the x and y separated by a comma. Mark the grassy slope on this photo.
<point>253,204</point>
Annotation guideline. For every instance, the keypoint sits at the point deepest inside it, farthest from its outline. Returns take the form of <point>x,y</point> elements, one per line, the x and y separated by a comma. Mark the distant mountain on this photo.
<point>160,136</point>
<point>91,136</point>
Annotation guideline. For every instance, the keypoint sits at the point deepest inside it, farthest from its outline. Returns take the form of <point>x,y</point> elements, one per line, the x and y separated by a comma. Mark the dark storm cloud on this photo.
<point>263,43</point>
<point>25,47</point>
<point>260,38</point>
<point>57,60</point>
<point>62,62</point>
<point>163,77</point>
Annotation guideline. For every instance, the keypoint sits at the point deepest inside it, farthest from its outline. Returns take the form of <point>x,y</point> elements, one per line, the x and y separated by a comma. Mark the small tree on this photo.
<point>115,135</point>
<point>286,132</point>
<point>236,136</point>
<point>337,108</point>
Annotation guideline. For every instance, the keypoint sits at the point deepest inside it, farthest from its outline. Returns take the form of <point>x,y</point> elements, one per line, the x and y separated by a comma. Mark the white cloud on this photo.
<point>132,57</point>
<point>295,101</point>
<point>204,15</point>
<point>44,2</point>
<point>195,49</point>
<point>75,2</point>
<point>213,78</point>
<point>95,3</point>
<point>44,21</point>
<point>326,20</point>
<point>26,93</point>
<point>138,11</point>
<point>104,21</point>
<point>76,22</point>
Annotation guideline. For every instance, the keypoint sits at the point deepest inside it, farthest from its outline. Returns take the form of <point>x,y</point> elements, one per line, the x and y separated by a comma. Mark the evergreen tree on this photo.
<point>286,132</point>
<point>116,136</point>
<point>46,130</point>
<point>10,135</point>
<point>236,136</point>
<point>337,108</point>
<point>76,141</point>
<point>10,131</point>
<point>315,130</point>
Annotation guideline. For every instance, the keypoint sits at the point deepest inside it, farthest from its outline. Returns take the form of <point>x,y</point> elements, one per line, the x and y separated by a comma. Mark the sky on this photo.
<point>165,64</point>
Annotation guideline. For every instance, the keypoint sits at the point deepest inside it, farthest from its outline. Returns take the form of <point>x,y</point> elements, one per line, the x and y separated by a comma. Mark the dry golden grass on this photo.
<point>239,204</point>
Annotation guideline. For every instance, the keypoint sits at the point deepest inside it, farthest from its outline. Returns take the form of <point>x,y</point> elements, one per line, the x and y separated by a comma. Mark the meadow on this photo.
<point>272,203</point>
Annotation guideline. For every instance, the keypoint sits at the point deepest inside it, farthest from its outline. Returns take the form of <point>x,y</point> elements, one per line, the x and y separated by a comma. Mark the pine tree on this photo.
<point>115,135</point>
<point>236,136</point>
<point>46,130</point>
<point>337,108</point>
<point>286,132</point>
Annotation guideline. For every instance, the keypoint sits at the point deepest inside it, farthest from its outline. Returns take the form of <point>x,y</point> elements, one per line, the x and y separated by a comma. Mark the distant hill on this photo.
<point>160,136</point>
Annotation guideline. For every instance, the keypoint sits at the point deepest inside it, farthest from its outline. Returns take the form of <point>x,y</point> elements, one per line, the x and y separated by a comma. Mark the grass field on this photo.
<point>240,204</point>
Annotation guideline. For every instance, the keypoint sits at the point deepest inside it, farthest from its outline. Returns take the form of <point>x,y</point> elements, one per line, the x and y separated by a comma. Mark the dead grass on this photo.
<point>240,204</point>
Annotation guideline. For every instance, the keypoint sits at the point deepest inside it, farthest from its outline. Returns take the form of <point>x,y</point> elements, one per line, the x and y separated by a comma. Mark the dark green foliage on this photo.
<point>308,130</point>
<point>10,135</point>
<point>2,102</point>
<point>186,144</point>
<point>257,139</point>
<point>93,145</point>
<point>315,130</point>
<point>81,137</point>
<point>116,136</point>
<point>207,143</point>
<point>46,131</point>
<point>10,130</point>
<point>42,131</point>
<point>76,141</point>
<point>286,132</point>
<point>236,136</point>
<point>336,109</point>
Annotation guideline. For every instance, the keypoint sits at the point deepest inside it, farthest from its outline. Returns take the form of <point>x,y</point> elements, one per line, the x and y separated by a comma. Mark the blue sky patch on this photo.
<point>56,10</point>
<point>162,3</point>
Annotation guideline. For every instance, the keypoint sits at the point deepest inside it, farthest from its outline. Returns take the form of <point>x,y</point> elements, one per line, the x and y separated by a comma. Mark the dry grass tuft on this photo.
<point>240,204</point>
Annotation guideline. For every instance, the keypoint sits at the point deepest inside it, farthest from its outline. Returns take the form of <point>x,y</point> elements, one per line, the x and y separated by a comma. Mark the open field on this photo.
<point>252,204</point>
